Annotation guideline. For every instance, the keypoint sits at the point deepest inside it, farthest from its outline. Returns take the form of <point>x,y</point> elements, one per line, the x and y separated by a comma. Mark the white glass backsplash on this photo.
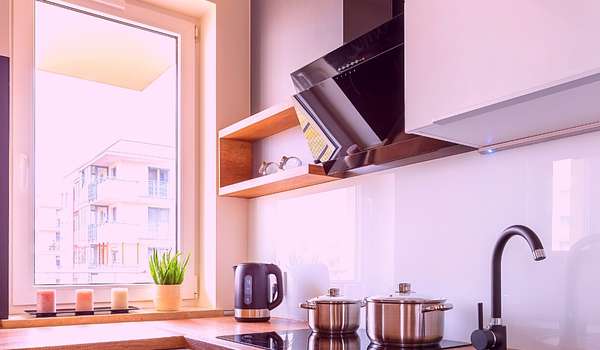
<point>434,225</point>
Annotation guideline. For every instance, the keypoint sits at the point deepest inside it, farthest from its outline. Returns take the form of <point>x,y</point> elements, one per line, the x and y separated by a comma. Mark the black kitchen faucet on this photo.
<point>494,337</point>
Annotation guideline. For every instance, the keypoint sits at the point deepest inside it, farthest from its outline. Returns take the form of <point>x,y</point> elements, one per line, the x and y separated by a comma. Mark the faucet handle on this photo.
<point>480,316</point>
<point>482,339</point>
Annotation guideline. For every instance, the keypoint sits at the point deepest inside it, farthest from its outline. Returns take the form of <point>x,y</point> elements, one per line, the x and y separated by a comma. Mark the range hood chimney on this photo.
<point>361,16</point>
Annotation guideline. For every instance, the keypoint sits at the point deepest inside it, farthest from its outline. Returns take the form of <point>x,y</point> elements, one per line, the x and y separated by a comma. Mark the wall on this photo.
<point>434,224</point>
<point>286,35</point>
<point>233,104</point>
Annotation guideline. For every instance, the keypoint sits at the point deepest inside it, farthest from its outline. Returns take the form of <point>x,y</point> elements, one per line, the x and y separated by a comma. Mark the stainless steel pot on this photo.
<point>405,319</point>
<point>333,314</point>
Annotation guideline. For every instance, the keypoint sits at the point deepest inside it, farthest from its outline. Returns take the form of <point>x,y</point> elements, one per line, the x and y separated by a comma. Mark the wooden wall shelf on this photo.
<point>236,161</point>
<point>269,122</point>
<point>303,176</point>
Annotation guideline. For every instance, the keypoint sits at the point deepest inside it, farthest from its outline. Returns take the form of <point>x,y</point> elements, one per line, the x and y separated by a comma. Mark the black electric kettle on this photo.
<point>253,291</point>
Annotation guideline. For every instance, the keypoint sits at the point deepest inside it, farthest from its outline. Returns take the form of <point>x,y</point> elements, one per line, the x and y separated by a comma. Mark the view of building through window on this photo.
<point>105,147</point>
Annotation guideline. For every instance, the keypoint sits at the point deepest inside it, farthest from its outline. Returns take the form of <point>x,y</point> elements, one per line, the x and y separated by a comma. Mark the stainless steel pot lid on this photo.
<point>405,295</point>
<point>333,297</point>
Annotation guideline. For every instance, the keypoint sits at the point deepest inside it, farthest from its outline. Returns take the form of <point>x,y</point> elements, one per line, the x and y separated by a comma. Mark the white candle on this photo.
<point>118,299</point>
<point>46,301</point>
<point>84,300</point>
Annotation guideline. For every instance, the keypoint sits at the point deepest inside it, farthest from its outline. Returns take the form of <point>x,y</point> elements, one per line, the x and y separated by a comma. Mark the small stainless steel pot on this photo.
<point>333,314</point>
<point>405,319</point>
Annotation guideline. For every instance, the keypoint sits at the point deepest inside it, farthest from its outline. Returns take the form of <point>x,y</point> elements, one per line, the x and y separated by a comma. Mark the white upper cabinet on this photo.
<point>486,72</point>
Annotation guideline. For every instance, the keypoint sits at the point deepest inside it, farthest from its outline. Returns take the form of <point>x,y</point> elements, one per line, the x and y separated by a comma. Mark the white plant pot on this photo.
<point>167,297</point>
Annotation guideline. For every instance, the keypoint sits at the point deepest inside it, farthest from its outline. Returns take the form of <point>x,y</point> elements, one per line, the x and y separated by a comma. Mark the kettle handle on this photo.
<point>274,270</point>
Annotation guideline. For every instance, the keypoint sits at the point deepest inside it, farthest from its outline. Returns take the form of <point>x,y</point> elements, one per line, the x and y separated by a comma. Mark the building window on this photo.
<point>158,182</point>
<point>93,104</point>
<point>158,221</point>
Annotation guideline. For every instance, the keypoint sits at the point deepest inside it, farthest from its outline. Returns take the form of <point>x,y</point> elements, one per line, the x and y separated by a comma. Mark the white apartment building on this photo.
<point>53,254</point>
<point>117,208</point>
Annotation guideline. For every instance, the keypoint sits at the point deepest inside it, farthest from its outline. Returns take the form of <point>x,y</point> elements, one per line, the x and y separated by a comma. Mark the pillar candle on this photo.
<point>46,301</point>
<point>84,300</point>
<point>118,299</point>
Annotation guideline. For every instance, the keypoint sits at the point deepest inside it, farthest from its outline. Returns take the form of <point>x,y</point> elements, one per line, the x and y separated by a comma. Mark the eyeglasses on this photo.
<point>267,168</point>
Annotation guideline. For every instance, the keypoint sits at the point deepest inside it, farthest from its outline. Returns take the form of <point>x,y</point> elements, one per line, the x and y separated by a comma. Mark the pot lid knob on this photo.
<point>404,288</point>
<point>334,292</point>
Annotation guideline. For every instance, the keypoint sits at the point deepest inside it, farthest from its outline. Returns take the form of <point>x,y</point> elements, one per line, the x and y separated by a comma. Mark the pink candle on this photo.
<point>84,300</point>
<point>46,301</point>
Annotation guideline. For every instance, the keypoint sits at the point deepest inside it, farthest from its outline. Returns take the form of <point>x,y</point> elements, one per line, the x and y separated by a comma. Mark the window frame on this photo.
<point>22,185</point>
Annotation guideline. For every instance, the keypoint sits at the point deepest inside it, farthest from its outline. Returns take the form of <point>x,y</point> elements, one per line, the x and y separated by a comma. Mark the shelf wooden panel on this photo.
<point>303,176</point>
<point>235,161</point>
<point>269,122</point>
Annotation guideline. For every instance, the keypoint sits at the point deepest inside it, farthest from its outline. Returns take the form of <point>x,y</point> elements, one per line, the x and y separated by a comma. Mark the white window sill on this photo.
<point>149,314</point>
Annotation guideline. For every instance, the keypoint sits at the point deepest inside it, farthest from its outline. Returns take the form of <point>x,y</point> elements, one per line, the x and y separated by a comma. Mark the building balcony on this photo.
<point>157,232</point>
<point>114,190</point>
<point>116,232</point>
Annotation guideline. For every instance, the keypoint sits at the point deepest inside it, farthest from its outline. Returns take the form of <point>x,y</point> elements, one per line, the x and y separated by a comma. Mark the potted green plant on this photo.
<point>167,271</point>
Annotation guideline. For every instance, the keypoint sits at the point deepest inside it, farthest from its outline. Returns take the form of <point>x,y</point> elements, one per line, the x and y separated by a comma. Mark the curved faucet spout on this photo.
<point>537,250</point>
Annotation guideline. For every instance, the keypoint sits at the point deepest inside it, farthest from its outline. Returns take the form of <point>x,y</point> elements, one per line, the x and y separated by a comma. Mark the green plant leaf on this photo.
<point>167,268</point>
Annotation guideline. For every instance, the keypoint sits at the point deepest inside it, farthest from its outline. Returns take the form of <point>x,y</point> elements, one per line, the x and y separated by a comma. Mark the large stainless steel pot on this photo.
<point>405,319</point>
<point>333,313</point>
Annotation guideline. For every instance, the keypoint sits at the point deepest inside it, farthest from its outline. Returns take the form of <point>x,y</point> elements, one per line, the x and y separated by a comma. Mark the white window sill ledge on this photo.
<point>27,321</point>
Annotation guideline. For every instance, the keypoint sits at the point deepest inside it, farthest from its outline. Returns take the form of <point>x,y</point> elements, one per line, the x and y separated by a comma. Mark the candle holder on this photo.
<point>84,313</point>
<point>99,310</point>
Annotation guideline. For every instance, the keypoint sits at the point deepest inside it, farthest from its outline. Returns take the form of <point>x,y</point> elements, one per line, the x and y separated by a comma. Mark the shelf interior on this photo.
<point>236,156</point>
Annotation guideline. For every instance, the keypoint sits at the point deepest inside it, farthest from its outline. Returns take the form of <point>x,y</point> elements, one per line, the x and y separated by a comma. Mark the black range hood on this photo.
<point>350,104</point>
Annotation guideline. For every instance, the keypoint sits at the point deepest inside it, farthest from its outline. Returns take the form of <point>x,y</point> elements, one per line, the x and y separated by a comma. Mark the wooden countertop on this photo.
<point>175,334</point>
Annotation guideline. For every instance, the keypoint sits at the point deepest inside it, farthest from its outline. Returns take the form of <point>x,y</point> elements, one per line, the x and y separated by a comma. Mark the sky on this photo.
<point>75,119</point>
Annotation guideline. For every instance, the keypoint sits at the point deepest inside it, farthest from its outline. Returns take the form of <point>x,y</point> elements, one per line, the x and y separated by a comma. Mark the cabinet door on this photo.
<point>465,54</point>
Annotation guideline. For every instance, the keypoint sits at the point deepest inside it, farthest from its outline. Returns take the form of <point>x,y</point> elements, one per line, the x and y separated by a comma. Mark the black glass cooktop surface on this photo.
<point>305,339</point>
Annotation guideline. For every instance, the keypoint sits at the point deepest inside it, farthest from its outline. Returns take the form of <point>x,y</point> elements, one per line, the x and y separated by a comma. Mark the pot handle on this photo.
<point>363,302</point>
<point>437,307</point>
<point>307,305</point>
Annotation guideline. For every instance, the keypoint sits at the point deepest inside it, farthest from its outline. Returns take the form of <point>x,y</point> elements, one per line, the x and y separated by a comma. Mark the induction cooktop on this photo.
<point>304,339</point>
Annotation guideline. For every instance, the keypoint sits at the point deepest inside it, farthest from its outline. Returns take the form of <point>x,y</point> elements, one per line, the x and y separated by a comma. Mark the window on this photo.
<point>57,240</point>
<point>158,222</point>
<point>96,107</point>
<point>95,115</point>
<point>158,182</point>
